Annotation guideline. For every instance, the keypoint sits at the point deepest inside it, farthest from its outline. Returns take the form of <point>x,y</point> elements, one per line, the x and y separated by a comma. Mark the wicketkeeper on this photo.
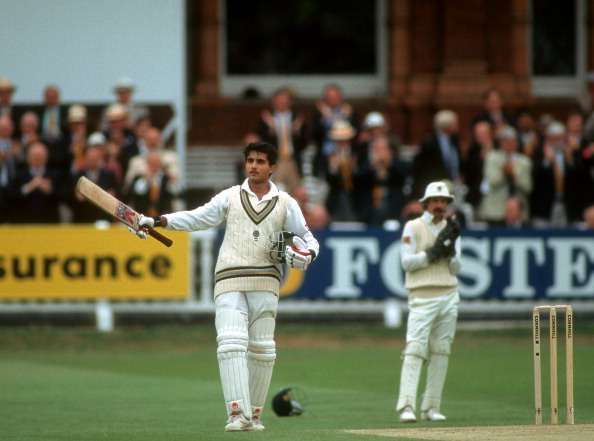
<point>431,259</point>
<point>247,277</point>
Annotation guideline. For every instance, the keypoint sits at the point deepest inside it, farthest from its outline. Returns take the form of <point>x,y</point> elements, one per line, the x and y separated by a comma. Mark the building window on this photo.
<point>303,43</point>
<point>558,47</point>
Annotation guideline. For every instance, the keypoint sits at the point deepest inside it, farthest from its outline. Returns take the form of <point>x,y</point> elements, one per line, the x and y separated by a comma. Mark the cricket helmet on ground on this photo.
<point>285,404</point>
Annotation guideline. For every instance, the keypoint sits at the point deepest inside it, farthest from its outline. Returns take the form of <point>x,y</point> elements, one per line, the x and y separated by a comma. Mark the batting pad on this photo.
<point>261,357</point>
<point>409,382</point>
<point>436,374</point>
<point>232,340</point>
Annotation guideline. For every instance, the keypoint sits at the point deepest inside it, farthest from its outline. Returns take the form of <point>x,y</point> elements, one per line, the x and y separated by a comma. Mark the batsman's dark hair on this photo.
<point>269,150</point>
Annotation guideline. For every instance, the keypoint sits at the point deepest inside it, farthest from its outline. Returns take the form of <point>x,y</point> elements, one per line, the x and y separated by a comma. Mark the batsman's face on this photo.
<point>257,167</point>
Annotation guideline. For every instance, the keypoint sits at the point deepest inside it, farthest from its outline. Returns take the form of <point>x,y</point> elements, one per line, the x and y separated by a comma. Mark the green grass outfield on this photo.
<point>161,382</point>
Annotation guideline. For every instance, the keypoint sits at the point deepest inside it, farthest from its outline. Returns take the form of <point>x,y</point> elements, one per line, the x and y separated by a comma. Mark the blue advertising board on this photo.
<point>496,264</point>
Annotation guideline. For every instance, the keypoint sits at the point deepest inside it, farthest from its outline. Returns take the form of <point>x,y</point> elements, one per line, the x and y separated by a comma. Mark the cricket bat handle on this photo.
<point>164,240</point>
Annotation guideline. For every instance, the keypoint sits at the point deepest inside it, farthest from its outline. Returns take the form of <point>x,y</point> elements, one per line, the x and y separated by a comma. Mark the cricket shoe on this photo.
<point>432,415</point>
<point>257,425</point>
<point>238,423</point>
<point>407,415</point>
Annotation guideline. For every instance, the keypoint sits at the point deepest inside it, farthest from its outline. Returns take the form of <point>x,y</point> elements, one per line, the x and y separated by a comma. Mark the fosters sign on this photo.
<point>496,264</point>
<point>87,263</point>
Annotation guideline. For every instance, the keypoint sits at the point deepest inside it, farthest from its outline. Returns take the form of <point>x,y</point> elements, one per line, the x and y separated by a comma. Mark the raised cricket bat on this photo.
<point>115,207</point>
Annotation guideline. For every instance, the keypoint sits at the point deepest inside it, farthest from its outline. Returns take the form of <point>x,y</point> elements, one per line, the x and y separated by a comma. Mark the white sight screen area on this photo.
<point>84,46</point>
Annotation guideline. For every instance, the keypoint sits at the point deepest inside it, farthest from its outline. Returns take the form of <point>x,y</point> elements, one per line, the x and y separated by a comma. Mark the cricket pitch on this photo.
<point>578,432</point>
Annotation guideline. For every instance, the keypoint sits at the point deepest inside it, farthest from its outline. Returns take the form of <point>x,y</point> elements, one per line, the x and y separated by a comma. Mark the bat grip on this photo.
<point>163,239</point>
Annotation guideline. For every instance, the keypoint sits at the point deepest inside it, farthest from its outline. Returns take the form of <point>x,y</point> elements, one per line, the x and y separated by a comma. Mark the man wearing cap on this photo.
<point>6,91</point>
<point>430,257</point>
<point>124,90</point>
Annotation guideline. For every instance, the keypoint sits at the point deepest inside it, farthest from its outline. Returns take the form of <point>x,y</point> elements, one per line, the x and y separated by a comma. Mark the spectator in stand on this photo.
<point>527,133</point>
<point>29,129</point>
<point>8,148</point>
<point>375,126</point>
<point>94,169</point>
<point>558,198</point>
<point>493,111</point>
<point>412,210</point>
<point>507,173</point>
<point>109,156</point>
<point>7,90</point>
<point>140,128</point>
<point>124,91</point>
<point>380,178</point>
<point>331,108</point>
<point>34,191</point>
<point>52,117</point>
<point>588,223</point>
<point>152,143</point>
<point>586,157</point>
<point>153,191</point>
<point>120,136</point>
<point>515,216</point>
<point>316,216</point>
<point>340,174</point>
<point>472,161</point>
<point>575,131</point>
<point>282,126</point>
<point>75,139</point>
<point>439,156</point>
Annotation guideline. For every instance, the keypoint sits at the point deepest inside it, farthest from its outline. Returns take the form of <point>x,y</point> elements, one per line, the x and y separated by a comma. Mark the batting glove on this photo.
<point>298,258</point>
<point>146,221</point>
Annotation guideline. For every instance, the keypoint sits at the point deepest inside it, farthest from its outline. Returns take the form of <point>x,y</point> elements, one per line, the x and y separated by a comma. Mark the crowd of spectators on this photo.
<point>45,149</point>
<point>514,171</point>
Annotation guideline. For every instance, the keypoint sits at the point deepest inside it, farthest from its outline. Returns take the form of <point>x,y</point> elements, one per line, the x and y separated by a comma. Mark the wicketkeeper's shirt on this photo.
<point>424,279</point>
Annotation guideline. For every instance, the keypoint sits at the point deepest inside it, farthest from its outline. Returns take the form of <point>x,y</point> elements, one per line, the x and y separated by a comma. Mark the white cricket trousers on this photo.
<point>431,328</point>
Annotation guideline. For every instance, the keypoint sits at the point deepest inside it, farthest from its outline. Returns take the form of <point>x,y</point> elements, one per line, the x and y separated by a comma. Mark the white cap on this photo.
<point>437,190</point>
<point>507,132</point>
<point>341,131</point>
<point>96,138</point>
<point>77,113</point>
<point>555,128</point>
<point>374,119</point>
<point>124,83</point>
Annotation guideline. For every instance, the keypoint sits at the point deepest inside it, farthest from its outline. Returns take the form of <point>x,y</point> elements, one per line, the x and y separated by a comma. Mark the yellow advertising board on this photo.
<point>86,263</point>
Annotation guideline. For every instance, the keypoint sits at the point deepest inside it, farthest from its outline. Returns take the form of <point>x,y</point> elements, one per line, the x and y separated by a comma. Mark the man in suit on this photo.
<point>34,190</point>
<point>439,156</point>
<point>7,90</point>
<point>94,169</point>
<point>282,126</point>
